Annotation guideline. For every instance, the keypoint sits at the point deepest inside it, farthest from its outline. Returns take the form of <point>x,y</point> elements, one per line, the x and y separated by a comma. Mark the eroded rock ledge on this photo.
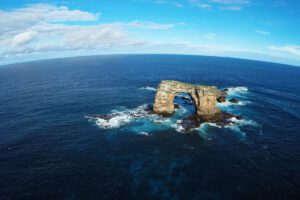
<point>204,98</point>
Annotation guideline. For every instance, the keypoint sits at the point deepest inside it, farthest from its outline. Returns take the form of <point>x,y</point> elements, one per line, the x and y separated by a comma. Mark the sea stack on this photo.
<point>204,98</point>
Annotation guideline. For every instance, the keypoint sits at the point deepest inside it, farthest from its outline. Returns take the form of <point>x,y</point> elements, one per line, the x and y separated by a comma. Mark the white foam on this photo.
<point>238,130</point>
<point>148,88</point>
<point>182,110</point>
<point>143,133</point>
<point>120,118</point>
<point>114,122</point>
<point>234,125</point>
<point>184,95</point>
<point>213,124</point>
<point>228,103</point>
<point>239,89</point>
<point>243,122</point>
<point>178,127</point>
<point>203,128</point>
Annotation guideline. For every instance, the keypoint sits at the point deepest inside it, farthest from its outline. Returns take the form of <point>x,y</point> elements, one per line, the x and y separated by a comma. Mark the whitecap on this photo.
<point>213,124</point>
<point>181,111</point>
<point>114,122</point>
<point>183,95</point>
<point>239,89</point>
<point>178,127</point>
<point>233,124</point>
<point>203,128</point>
<point>119,118</point>
<point>243,122</point>
<point>238,130</point>
<point>228,103</point>
<point>148,88</point>
<point>143,133</point>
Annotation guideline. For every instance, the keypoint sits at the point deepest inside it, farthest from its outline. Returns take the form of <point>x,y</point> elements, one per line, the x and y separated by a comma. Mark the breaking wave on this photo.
<point>234,125</point>
<point>114,122</point>
<point>228,103</point>
<point>148,88</point>
<point>178,127</point>
<point>142,114</point>
<point>234,90</point>
<point>119,118</point>
<point>143,133</point>
<point>142,120</point>
<point>243,122</point>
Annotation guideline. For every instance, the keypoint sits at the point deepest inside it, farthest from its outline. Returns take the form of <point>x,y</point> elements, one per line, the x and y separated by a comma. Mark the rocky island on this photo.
<point>204,99</point>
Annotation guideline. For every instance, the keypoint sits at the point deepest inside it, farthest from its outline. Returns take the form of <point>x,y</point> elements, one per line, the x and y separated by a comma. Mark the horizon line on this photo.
<point>140,54</point>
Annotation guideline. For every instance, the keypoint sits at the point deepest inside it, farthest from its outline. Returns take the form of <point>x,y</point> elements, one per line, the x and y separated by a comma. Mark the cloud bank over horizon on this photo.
<point>44,30</point>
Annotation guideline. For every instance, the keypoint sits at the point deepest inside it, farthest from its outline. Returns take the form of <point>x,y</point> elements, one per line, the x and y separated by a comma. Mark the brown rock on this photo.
<point>225,90</point>
<point>204,98</point>
<point>193,121</point>
<point>176,106</point>
<point>234,100</point>
<point>221,99</point>
<point>239,117</point>
<point>190,122</point>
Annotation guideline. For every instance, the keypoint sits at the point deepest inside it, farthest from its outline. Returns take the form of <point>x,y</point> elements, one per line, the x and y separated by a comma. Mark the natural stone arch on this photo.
<point>204,98</point>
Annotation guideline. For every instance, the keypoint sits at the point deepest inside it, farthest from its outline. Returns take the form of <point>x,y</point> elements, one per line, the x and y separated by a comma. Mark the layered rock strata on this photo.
<point>203,97</point>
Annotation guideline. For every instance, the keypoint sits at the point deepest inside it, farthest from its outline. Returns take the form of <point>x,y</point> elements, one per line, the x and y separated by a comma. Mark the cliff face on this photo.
<point>204,98</point>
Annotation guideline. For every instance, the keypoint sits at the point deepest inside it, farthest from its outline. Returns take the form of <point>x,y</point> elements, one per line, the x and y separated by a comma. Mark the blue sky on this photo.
<point>251,29</point>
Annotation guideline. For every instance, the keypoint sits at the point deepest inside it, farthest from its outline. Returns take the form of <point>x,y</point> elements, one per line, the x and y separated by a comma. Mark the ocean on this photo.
<point>51,149</point>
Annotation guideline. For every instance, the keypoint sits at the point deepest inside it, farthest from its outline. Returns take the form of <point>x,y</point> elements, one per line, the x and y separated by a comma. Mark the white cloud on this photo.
<point>178,5</point>
<point>234,8</point>
<point>237,2</point>
<point>262,32</point>
<point>203,5</point>
<point>199,4</point>
<point>150,25</point>
<point>210,35</point>
<point>174,3</point>
<point>24,38</point>
<point>234,5</point>
<point>42,28</point>
<point>181,23</point>
<point>291,49</point>
<point>22,18</point>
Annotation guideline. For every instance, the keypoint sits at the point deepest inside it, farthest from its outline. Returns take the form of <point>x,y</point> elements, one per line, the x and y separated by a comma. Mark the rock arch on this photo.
<point>204,98</point>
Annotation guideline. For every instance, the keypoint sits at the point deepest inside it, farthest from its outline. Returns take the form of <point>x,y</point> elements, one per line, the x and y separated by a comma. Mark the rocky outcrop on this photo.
<point>234,100</point>
<point>203,97</point>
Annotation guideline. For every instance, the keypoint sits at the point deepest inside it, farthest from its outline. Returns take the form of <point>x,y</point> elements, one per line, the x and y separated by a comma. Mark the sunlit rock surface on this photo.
<point>204,98</point>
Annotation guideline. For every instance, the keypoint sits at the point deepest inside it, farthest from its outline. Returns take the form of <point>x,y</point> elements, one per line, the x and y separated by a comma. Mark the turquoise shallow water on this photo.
<point>50,150</point>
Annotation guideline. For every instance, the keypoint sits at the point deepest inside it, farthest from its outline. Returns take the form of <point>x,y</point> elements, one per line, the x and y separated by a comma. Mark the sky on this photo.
<point>250,29</point>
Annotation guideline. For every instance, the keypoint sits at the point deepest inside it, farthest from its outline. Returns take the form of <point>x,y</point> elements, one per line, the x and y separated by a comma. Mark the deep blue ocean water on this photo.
<point>49,149</point>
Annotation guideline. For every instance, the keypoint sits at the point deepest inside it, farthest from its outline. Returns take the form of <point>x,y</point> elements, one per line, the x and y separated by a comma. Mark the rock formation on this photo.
<point>204,98</point>
<point>234,100</point>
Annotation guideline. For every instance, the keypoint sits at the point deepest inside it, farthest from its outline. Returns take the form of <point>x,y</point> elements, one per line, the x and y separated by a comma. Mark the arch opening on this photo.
<point>203,97</point>
<point>184,101</point>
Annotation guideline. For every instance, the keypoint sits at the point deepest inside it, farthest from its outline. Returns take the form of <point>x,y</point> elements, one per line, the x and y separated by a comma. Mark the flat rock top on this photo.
<point>167,85</point>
